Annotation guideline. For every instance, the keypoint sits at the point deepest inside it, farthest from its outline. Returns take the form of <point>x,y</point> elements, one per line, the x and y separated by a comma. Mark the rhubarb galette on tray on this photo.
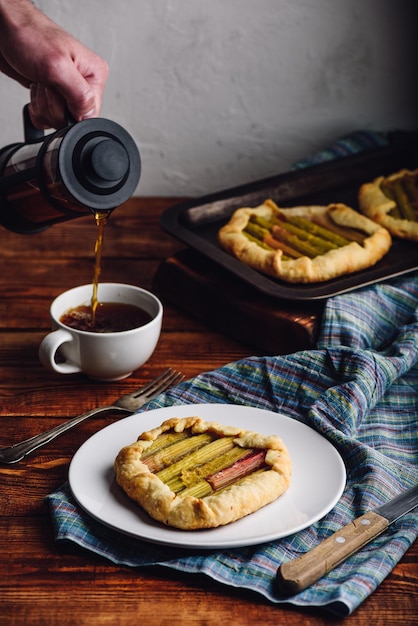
<point>189,473</point>
<point>392,201</point>
<point>304,244</point>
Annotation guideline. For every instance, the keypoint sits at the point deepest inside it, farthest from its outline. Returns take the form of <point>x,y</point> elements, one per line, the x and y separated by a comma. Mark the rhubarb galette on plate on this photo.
<point>304,244</point>
<point>392,201</point>
<point>189,473</point>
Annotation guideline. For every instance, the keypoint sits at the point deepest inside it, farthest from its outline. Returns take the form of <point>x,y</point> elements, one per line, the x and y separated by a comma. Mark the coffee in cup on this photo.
<point>108,344</point>
<point>108,317</point>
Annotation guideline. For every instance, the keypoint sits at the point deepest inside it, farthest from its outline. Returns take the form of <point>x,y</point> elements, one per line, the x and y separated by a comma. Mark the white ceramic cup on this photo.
<point>101,356</point>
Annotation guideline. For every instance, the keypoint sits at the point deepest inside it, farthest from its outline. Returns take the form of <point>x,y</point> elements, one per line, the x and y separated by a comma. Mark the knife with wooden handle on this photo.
<point>294,576</point>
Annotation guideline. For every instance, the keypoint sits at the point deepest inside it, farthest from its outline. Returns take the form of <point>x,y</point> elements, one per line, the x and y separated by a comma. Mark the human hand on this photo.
<point>60,71</point>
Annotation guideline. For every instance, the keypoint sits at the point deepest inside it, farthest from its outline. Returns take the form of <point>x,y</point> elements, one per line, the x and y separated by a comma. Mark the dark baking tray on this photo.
<point>197,222</point>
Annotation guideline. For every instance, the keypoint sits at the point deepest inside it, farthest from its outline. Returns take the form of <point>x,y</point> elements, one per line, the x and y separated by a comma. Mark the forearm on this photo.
<point>19,20</point>
<point>15,14</point>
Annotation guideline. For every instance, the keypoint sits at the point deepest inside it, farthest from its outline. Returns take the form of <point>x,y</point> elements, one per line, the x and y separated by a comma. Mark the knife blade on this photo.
<point>298,574</point>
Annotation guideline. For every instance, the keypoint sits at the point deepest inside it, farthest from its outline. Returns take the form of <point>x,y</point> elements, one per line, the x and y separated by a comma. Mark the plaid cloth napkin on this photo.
<point>359,389</point>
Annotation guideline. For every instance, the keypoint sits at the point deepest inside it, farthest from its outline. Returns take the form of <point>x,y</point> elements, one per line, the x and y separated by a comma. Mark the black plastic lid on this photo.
<point>99,163</point>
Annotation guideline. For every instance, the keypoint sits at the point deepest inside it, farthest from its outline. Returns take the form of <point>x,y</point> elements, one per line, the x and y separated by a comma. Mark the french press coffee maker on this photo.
<point>87,167</point>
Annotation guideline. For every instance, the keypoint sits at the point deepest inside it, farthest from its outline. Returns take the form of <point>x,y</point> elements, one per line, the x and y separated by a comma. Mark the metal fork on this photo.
<point>128,403</point>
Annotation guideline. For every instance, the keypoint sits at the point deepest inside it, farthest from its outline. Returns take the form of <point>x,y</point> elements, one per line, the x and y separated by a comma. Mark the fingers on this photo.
<point>46,108</point>
<point>70,88</point>
<point>49,109</point>
<point>82,84</point>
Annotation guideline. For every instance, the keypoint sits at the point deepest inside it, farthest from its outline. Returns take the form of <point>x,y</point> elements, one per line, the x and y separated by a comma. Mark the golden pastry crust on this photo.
<point>222,505</point>
<point>392,201</point>
<point>359,253</point>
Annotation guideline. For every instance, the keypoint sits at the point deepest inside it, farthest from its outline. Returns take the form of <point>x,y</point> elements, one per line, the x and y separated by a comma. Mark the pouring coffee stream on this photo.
<point>88,167</point>
<point>101,220</point>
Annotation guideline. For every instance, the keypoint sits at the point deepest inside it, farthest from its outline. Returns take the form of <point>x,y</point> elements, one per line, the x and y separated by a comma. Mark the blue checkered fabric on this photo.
<point>359,389</point>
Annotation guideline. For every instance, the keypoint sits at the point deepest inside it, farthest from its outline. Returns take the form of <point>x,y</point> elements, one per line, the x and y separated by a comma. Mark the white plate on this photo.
<point>318,479</point>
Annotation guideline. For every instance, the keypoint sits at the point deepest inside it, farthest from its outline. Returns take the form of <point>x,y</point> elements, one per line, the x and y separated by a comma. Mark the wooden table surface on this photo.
<point>42,583</point>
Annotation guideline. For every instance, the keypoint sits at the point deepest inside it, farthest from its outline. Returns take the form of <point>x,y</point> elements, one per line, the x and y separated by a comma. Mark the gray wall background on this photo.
<point>221,92</point>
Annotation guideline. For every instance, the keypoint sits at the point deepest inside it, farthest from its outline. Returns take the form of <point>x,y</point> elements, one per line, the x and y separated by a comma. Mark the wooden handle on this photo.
<point>296,575</point>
